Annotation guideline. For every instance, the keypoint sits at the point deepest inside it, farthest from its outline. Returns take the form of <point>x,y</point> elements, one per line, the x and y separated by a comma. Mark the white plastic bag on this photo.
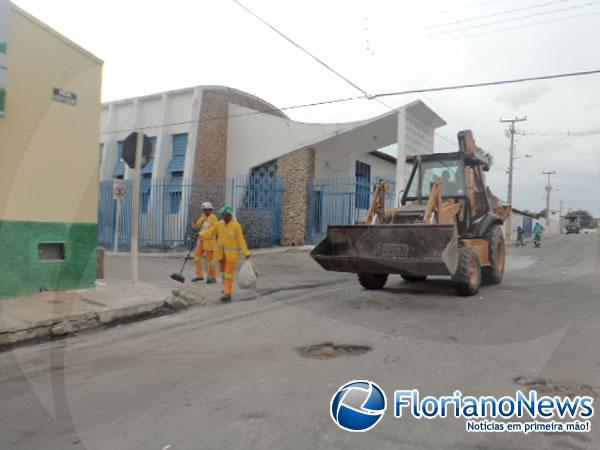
<point>247,276</point>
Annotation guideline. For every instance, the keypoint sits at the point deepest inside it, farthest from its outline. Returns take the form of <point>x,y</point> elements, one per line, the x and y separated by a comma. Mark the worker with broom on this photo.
<point>230,242</point>
<point>205,247</point>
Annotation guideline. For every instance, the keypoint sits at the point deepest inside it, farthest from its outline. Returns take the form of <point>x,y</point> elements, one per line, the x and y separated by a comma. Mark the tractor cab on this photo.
<point>447,188</point>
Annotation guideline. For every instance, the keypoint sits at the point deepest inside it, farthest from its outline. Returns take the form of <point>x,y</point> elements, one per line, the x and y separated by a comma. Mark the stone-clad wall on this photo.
<point>295,170</point>
<point>210,164</point>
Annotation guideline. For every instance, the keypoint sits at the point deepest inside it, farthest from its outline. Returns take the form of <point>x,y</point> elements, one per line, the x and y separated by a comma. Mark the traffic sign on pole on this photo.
<point>130,148</point>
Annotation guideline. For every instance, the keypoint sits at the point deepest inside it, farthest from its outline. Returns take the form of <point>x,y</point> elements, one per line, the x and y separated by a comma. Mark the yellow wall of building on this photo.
<point>49,150</point>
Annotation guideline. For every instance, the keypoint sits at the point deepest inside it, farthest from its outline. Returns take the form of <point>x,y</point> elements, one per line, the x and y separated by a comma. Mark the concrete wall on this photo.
<point>48,162</point>
<point>555,224</point>
<point>49,150</point>
<point>253,139</point>
<point>333,166</point>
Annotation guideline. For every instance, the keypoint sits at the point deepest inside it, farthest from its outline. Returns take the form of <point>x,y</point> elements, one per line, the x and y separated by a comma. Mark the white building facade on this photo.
<point>221,136</point>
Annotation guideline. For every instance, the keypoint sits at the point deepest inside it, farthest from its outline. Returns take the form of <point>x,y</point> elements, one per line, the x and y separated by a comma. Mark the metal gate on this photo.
<point>167,210</point>
<point>340,201</point>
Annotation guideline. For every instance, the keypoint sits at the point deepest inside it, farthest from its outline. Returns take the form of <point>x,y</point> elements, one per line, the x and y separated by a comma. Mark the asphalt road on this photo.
<point>230,376</point>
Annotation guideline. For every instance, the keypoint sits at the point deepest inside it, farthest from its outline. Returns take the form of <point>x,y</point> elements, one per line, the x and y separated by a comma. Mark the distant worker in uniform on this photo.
<point>230,242</point>
<point>520,237</point>
<point>205,247</point>
<point>538,230</point>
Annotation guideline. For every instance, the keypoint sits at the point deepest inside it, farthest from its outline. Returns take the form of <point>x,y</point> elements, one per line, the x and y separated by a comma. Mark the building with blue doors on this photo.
<point>227,146</point>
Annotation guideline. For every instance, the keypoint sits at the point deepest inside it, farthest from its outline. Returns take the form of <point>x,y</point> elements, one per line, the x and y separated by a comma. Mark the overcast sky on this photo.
<point>381,46</point>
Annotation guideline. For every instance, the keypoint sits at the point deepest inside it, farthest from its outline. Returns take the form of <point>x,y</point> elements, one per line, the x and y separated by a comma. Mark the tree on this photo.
<point>587,220</point>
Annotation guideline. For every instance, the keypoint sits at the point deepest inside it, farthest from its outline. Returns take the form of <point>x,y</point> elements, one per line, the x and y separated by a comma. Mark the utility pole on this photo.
<point>548,190</point>
<point>511,131</point>
<point>560,221</point>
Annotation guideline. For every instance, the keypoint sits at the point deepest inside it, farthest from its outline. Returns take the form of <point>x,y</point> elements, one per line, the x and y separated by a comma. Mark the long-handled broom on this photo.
<point>178,276</point>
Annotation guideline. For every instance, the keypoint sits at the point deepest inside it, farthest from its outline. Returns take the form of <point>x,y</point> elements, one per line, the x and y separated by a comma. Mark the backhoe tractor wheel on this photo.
<point>372,281</point>
<point>468,272</point>
<point>409,278</point>
<point>497,254</point>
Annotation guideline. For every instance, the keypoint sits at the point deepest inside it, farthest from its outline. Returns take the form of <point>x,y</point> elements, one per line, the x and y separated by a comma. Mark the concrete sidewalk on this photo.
<point>59,313</point>
<point>115,300</point>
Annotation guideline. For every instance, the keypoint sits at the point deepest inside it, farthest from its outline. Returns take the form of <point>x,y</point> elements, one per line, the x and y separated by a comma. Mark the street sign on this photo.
<point>62,96</point>
<point>119,190</point>
<point>129,148</point>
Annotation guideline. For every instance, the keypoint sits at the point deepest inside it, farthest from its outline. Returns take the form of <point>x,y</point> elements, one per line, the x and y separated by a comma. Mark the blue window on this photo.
<point>119,171</point>
<point>178,148</point>
<point>317,219</point>
<point>174,189</point>
<point>363,184</point>
<point>147,169</point>
<point>145,190</point>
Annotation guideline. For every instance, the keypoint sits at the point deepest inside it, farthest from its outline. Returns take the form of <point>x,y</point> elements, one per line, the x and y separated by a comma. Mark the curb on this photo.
<point>64,326</point>
<point>181,254</point>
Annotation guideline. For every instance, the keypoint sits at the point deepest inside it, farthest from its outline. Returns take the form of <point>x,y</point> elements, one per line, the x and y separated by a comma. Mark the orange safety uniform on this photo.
<point>230,242</point>
<point>205,247</point>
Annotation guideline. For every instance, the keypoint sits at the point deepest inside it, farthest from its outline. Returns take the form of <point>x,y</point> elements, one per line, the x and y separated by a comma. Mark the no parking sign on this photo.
<point>119,190</point>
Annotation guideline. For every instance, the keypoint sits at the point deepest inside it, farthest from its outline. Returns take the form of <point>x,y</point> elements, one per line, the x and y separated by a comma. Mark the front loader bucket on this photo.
<point>416,249</point>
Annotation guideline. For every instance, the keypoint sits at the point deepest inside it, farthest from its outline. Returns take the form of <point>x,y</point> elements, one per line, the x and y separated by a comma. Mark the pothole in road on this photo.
<point>551,388</point>
<point>328,350</point>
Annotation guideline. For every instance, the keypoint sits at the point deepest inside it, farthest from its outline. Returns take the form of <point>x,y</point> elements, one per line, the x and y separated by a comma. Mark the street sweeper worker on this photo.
<point>230,243</point>
<point>538,230</point>
<point>205,247</point>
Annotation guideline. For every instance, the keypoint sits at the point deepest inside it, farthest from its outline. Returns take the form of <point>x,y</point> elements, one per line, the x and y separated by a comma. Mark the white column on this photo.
<point>400,156</point>
<point>163,150</point>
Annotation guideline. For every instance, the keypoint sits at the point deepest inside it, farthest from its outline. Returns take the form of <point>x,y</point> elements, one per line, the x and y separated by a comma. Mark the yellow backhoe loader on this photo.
<point>449,224</point>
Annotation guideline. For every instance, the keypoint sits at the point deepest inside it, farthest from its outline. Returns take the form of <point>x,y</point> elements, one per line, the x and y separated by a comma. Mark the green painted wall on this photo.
<point>22,273</point>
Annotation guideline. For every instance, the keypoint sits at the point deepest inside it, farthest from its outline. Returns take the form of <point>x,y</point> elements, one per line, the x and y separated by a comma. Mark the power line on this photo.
<point>487,16</point>
<point>462,8</point>
<point>525,25</point>
<point>299,47</point>
<point>365,97</point>
<point>496,22</point>
<point>488,83</point>
<point>564,133</point>
<point>307,52</point>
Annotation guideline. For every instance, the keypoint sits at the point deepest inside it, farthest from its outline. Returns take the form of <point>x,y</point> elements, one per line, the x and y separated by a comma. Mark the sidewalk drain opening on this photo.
<point>328,350</point>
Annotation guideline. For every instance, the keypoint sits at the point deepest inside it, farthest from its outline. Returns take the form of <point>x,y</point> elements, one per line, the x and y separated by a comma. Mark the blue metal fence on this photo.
<point>168,206</point>
<point>341,201</point>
